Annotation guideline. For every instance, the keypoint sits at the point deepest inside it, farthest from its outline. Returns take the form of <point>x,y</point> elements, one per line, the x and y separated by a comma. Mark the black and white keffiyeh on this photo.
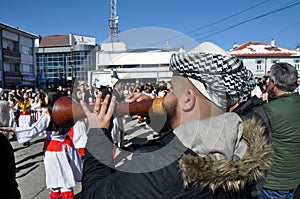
<point>225,78</point>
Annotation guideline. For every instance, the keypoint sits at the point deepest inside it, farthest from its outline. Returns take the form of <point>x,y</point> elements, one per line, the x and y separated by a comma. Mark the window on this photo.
<point>274,61</point>
<point>27,68</point>
<point>26,50</point>
<point>297,64</point>
<point>8,67</point>
<point>259,64</point>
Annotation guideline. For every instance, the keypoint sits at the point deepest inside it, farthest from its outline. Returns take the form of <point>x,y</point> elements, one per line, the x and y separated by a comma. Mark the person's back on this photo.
<point>283,111</point>
<point>208,152</point>
<point>284,115</point>
<point>253,108</point>
<point>164,168</point>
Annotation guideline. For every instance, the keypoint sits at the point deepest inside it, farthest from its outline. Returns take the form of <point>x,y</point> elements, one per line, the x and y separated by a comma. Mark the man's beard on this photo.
<point>171,109</point>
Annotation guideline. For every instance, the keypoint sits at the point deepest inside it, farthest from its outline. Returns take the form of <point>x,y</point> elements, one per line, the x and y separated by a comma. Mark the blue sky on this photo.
<point>164,20</point>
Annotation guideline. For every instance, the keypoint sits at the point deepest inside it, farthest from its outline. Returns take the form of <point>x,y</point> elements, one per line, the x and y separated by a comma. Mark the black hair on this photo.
<point>105,91</point>
<point>74,94</point>
<point>52,97</point>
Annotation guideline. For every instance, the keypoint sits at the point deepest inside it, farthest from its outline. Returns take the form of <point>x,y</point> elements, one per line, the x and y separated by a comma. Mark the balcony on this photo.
<point>12,77</point>
<point>11,56</point>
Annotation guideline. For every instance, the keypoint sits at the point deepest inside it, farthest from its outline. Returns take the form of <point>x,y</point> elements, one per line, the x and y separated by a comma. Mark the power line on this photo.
<point>283,30</point>
<point>251,19</point>
<point>229,17</point>
<point>223,29</point>
<point>218,21</point>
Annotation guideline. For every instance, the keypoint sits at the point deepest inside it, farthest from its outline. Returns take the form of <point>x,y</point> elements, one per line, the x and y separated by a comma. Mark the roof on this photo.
<point>135,58</point>
<point>55,41</point>
<point>154,49</point>
<point>142,56</point>
<point>260,49</point>
<point>17,30</point>
<point>116,53</point>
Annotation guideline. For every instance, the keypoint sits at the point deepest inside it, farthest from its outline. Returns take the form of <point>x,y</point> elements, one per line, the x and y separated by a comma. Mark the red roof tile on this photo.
<point>245,45</point>
<point>262,55</point>
<point>260,49</point>
<point>55,41</point>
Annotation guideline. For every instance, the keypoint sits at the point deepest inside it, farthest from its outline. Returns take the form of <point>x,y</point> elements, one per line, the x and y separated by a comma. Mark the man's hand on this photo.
<point>102,114</point>
<point>137,97</point>
<point>9,129</point>
<point>264,97</point>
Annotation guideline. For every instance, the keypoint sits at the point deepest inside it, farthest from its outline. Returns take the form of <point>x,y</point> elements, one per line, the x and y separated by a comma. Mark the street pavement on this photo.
<point>30,173</point>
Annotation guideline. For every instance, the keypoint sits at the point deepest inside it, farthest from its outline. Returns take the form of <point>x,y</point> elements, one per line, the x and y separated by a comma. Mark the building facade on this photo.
<point>65,59</point>
<point>259,57</point>
<point>114,60</point>
<point>17,58</point>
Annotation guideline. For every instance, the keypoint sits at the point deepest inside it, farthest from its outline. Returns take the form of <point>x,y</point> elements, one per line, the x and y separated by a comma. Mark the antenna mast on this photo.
<point>113,22</point>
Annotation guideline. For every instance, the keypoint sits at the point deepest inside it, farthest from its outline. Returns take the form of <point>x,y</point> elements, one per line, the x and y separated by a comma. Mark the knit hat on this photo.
<point>221,78</point>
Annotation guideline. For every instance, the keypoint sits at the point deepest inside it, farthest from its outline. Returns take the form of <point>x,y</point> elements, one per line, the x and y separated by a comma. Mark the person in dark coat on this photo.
<point>207,152</point>
<point>9,186</point>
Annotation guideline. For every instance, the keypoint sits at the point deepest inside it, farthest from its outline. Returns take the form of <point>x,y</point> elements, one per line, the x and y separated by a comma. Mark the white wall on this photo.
<point>251,64</point>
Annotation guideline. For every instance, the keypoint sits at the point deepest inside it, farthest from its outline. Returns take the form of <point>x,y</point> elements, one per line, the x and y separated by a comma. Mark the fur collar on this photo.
<point>229,174</point>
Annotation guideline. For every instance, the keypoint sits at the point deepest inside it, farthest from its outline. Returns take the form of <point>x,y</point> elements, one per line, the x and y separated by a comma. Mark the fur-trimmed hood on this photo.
<point>230,174</point>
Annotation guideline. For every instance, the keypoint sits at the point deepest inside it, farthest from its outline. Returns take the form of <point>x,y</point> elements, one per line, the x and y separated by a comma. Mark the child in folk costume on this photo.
<point>13,114</point>
<point>36,107</point>
<point>78,132</point>
<point>63,165</point>
<point>24,107</point>
<point>12,110</point>
<point>78,135</point>
<point>25,110</point>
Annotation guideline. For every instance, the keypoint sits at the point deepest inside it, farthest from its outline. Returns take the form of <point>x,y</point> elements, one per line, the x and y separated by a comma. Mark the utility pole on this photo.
<point>113,22</point>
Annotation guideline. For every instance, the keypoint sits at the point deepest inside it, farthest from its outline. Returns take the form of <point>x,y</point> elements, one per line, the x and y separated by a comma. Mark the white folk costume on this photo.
<point>78,135</point>
<point>37,110</point>
<point>63,165</point>
<point>25,113</point>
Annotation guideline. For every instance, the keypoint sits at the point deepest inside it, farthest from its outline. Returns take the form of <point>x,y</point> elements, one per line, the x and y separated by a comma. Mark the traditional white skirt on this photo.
<point>63,165</point>
<point>25,121</point>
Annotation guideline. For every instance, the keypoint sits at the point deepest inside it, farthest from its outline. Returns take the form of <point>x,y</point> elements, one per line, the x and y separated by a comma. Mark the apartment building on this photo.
<point>17,57</point>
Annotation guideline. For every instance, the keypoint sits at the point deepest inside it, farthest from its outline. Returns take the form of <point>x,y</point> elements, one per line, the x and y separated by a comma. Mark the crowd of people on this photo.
<point>227,134</point>
<point>62,162</point>
<point>30,116</point>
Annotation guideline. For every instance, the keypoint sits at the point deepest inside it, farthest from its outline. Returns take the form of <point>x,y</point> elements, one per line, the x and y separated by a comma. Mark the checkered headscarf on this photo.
<point>225,78</point>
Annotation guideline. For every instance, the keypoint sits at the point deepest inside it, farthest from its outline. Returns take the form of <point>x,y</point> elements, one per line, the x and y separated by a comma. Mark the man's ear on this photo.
<point>188,100</point>
<point>274,84</point>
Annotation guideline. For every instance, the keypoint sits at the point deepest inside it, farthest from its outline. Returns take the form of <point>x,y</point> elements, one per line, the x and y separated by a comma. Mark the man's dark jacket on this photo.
<point>179,172</point>
<point>9,186</point>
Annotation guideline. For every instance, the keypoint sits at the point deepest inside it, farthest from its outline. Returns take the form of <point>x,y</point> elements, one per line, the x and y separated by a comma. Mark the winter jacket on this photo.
<point>165,168</point>
<point>253,107</point>
<point>9,186</point>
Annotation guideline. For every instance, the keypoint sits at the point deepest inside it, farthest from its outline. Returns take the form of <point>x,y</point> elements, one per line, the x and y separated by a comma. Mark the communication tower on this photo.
<point>113,22</point>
